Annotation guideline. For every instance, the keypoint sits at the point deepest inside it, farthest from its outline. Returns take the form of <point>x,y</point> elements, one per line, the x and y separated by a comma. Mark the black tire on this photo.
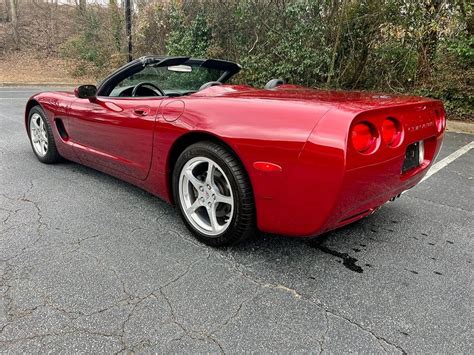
<point>242,224</point>
<point>52,156</point>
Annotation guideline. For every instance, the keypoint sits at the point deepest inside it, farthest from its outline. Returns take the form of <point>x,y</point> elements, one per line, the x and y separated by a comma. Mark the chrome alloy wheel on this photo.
<point>206,196</point>
<point>39,134</point>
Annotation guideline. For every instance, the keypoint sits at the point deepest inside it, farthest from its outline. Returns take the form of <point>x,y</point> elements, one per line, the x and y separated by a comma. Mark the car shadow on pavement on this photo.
<point>344,246</point>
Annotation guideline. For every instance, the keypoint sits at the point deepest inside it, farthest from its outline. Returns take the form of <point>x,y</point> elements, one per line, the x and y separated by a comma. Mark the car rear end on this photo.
<point>361,150</point>
<point>388,150</point>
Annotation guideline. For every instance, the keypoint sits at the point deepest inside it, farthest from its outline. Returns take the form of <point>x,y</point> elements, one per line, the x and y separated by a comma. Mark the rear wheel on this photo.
<point>213,193</point>
<point>41,137</point>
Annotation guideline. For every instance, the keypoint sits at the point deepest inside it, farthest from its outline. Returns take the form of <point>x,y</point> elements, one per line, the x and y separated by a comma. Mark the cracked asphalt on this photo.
<point>91,264</point>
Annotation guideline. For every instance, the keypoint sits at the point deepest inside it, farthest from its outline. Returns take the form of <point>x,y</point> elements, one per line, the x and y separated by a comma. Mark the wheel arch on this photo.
<point>29,105</point>
<point>185,141</point>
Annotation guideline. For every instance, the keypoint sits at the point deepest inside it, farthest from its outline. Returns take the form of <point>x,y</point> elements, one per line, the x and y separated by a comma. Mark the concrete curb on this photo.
<point>22,85</point>
<point>460,127</point>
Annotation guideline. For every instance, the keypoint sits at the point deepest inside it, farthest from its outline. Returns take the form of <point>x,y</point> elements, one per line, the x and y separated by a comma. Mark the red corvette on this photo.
<point>284,159</point>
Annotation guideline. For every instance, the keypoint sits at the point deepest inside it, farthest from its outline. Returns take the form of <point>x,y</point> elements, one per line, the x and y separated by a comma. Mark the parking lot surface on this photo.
<point>92,264</point>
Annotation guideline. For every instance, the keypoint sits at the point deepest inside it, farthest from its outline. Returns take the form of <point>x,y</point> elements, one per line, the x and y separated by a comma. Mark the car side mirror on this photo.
<point>85,91</point>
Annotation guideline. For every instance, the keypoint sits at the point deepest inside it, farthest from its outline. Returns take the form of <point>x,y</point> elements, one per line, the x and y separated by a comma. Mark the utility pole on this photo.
<point>128,27</point>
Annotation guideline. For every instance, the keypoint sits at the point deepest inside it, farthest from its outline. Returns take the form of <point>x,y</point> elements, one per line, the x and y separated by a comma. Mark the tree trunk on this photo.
<point>6,17</point>
<point>468,17</point>
<point>14,22</point>
<point>335,49</point>
<point>82,6</point>
<point>116,24</point>
<point>428,42</point>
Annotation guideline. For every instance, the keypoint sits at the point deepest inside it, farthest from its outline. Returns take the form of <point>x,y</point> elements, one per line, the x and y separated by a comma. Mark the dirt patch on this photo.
<point>21,68</point>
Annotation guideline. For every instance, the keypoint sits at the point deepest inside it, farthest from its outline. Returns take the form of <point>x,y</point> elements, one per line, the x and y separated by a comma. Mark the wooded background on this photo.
<point>424,47</point>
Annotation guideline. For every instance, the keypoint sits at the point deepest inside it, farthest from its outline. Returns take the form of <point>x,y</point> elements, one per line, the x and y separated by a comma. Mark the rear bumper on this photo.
<point>357,201</point>
<point>322,194</point>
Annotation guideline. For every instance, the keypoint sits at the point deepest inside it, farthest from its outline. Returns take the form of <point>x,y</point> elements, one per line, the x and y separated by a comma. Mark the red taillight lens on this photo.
<point>440,120</point>
<point>362,137</point>
<point>391,131</point>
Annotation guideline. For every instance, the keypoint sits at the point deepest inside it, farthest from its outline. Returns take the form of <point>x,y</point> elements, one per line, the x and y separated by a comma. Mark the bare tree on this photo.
<point>429,41</point>
<point>5,12</point>
<point>82,6</point>
<point>14,21</point>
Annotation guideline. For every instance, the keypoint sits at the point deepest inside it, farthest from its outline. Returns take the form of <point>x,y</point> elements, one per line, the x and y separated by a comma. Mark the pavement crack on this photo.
<point>236,313</point>
<point>191,333</point>
<point>160,291</point>
<point>377,337</point>
<point>459,209</point>
<point>322,341</point>
<point>301,297</point>
<point>100,261</point>
<point>41,225</point>
<point>10,213</point>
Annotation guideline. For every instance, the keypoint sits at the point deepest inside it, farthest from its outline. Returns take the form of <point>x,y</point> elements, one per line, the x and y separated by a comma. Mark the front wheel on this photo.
<point>41,137</point>
<point>213,193</point>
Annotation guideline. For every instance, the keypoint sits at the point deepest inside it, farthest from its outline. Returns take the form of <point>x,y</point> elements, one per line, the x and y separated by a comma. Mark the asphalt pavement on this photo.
<point>92,264</point>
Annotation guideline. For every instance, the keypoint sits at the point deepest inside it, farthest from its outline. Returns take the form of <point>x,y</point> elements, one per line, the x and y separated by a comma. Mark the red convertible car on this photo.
<point>284,159</point>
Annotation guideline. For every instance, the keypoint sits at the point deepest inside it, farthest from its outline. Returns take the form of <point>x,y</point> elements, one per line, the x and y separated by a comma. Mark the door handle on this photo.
<point>141,111</point>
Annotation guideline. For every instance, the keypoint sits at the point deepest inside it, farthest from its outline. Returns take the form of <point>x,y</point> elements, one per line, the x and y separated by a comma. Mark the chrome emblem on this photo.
<point>421,123</point>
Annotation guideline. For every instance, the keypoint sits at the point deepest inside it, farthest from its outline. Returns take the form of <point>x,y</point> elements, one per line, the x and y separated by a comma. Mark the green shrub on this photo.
<point>411,46</point>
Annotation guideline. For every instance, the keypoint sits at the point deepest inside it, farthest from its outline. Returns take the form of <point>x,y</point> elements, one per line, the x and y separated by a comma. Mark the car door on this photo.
<point>114,132</point>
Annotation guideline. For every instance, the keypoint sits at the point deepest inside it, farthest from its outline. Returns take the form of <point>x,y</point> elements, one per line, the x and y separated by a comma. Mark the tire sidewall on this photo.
<point>201,151</point>
<point>50,155</point>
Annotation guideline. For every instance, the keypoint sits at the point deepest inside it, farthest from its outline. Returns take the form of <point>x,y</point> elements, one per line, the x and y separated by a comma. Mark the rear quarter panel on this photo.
<point>268,130</point>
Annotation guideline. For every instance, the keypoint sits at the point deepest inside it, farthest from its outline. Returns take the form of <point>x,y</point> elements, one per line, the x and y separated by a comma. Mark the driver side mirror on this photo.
<point>85,91</point>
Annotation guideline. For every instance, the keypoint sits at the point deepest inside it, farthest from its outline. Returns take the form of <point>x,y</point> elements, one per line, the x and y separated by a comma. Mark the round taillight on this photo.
<point>363,137</point>
<point>391,132</point>
<point>440,120</point>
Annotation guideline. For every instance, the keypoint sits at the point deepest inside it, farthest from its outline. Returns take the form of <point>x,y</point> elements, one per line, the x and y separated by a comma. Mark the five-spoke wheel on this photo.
<point>213,193</point>
<point>206,195</point>
<point>41,136</point>
<point>38,134</point>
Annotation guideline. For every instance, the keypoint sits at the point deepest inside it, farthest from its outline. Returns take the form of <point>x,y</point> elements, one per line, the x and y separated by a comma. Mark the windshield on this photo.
<point>179,79</point>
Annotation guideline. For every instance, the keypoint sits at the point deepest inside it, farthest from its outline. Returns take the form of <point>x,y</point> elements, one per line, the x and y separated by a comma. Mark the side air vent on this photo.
<point>61,129</point>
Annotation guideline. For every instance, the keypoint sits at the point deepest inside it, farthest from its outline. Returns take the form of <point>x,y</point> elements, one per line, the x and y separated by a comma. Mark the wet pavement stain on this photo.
<point>347,260</point>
